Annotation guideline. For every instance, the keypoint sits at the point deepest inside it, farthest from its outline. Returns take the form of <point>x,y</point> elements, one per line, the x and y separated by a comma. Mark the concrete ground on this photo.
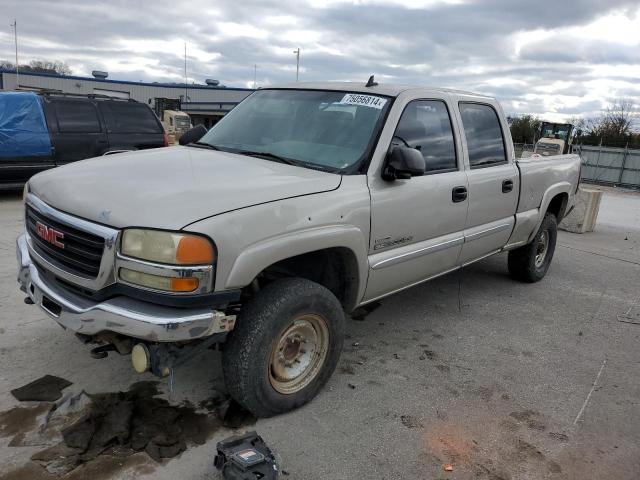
<point>500,379</point>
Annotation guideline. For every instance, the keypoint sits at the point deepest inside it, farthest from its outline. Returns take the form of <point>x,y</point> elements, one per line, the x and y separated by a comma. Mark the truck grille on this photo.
<point>80,253</point>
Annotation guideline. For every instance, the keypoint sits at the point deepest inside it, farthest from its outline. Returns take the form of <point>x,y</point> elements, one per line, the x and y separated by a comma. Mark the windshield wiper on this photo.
<point>268,156</point>
<point>203,145</point>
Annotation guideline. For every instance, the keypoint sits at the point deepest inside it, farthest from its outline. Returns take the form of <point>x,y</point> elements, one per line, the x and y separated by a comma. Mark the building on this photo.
<point>206,104</point>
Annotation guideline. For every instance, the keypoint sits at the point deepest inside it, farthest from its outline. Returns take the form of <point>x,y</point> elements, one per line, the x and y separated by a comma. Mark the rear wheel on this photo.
<point>285,346</point>
<point>531,262</point>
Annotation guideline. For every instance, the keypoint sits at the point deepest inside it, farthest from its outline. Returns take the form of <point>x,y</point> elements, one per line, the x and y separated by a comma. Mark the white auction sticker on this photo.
<point>364,100</point>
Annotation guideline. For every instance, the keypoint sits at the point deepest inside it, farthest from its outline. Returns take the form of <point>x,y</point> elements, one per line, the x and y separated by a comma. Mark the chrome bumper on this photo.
<point>124,315</point>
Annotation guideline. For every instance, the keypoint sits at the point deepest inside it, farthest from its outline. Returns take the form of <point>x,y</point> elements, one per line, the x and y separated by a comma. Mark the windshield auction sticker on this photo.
<point>364,100</point>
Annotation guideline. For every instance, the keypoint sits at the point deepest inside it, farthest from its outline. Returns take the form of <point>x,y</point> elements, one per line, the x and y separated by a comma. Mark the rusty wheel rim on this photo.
<point>299,354</point>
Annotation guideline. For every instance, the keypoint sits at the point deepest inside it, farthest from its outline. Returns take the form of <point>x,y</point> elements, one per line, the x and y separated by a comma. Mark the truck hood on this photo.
<point>172,187</point>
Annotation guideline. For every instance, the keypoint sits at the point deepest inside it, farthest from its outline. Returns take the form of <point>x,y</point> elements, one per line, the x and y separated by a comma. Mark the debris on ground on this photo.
<point>45,389</point>
<point>351,386</point>
<point>447,467</point>
<point>245,456</point>
<point>83,429</point>
<point>410,421</point>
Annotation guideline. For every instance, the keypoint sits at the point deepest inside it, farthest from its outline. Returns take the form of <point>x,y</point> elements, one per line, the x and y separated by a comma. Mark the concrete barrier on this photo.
<point>583,217</point>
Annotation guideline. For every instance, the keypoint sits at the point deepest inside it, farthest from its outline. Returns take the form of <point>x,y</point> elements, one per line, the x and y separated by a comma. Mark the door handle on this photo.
<point>459,194</point>
<point>507,186</point>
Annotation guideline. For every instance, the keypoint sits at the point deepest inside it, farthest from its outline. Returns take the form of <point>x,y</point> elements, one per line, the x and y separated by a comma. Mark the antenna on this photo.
<point>371,82</point>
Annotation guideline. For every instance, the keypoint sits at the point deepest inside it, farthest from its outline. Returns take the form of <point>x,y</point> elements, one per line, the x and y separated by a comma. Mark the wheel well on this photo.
<point>334,268</point>
<point>558,205</point>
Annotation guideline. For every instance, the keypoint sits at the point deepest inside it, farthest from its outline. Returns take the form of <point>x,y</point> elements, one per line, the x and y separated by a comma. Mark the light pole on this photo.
<point>297,52</point>
<point>15,29</point>
<point>186,94</point>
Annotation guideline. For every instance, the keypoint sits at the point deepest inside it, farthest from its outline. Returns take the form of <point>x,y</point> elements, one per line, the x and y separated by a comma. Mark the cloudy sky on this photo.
<point>556,59</point>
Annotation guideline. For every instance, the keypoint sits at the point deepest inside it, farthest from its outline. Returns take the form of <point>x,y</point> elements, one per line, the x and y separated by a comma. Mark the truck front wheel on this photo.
<point>285,346</point>
<point>531,262</point>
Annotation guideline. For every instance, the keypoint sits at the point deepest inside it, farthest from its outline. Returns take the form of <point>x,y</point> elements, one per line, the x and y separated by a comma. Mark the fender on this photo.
<point>552,191</point>
<point>262,254</point>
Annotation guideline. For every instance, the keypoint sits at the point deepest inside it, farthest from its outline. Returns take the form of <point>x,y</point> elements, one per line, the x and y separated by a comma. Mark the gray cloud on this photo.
<point>471,45</point>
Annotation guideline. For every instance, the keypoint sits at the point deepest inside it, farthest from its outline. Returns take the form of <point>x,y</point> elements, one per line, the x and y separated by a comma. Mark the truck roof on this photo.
<point>387,89</point>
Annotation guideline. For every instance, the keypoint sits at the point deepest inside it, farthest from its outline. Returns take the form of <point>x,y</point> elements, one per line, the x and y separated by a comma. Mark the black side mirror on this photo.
<point>403,163</point>
<point>193,135</point>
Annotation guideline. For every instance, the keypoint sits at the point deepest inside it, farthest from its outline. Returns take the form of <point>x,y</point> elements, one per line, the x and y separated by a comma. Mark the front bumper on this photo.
<point>123,315</point>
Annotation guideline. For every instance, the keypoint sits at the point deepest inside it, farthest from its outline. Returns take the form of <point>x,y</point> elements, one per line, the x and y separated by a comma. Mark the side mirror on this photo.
<point>192,135</point>
<point>403,163</point>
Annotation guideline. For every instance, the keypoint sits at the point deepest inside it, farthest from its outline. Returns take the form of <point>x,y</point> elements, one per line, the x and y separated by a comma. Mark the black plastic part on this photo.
<point>245,457</point>
<point>102,351</point>
<point>458,194</point>
<point>371,82</point>
<point>507,186</point>
<point>216,300</point>
<point>28,300</point>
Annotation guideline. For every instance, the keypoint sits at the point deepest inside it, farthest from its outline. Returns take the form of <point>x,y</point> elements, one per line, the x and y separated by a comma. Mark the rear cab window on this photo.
<point>77,116</point>
<point>485,139</point>
<point>130,117</point>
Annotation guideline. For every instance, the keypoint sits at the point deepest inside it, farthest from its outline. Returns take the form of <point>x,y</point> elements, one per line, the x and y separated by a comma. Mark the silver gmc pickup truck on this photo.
<point>303,203</point>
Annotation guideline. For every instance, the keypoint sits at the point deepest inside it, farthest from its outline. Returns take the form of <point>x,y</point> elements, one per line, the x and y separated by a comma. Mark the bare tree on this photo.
<point>45,66</point>
<point>615,121</point>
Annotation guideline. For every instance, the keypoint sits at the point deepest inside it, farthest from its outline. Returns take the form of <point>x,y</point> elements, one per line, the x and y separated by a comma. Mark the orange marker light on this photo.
<point>184,284</point>
<point>193,250</point>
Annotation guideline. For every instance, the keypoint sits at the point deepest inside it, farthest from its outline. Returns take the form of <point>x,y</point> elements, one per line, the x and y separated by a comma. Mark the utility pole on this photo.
<point>255,76</point>
<point>15,29</point>
<point>297,52</point>
<point>186,94</point>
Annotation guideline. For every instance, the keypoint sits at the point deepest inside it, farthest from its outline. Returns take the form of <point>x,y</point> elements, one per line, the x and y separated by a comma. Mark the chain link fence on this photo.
<point>618,166</point>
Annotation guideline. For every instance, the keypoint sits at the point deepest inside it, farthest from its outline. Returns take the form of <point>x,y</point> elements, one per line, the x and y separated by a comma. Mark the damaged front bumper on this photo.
<point>123,315</point>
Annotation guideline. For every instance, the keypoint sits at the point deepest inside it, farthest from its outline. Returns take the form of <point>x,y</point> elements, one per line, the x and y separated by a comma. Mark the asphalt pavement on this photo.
<point>498,379</point>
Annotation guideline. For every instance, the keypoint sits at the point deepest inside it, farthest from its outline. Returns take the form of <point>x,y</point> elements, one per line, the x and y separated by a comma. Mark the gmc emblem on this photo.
<point>50,235</point>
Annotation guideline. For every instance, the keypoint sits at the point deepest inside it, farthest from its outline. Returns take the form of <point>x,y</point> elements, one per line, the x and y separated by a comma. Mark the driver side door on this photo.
<point>417,225</point>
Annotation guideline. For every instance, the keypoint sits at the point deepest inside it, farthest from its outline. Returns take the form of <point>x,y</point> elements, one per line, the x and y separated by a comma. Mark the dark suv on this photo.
<point>45,130</point>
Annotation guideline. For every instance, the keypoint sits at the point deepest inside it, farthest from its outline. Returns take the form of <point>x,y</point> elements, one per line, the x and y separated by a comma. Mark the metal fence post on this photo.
<point>624,161</point>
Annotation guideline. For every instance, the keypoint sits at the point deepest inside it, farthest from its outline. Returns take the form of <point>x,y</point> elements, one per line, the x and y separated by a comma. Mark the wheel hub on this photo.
<point>299,354</point>
<point>542,248</point>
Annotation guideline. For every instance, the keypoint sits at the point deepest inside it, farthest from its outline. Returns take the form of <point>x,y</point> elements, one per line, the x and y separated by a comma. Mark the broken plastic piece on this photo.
<point>448,467</point>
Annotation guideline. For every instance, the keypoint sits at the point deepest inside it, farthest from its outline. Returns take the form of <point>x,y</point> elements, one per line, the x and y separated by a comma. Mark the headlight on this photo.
<point>167,247</point>
<point>166,261</point>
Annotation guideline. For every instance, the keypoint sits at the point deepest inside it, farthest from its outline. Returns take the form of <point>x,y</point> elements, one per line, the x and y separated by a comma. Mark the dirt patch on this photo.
<point>17,421</point>
<point>122,430</point>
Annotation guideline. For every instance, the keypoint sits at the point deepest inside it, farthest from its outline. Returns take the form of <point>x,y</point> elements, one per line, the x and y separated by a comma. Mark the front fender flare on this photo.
<point>258,256</point>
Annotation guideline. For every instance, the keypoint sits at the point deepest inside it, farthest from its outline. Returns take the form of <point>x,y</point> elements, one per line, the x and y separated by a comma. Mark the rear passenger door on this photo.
<point>77,132</point>
<point>493,181</point>
<point>417,224</point>
<point>131,126</point>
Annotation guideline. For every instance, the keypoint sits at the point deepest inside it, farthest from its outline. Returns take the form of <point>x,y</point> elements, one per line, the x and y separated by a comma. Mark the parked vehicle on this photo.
<point>555,139</point>
<point>175,123</point>
<point>41,131</point>
<point>302,204</point>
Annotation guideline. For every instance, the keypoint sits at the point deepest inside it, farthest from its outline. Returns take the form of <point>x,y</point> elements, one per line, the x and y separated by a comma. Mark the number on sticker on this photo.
<point>364,100</point>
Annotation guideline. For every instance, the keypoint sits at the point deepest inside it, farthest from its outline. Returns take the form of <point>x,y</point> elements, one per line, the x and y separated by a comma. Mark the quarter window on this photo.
<point>426,126</point>
<point>484,135</point>
<point>130,117</point>
<point>77,117</point>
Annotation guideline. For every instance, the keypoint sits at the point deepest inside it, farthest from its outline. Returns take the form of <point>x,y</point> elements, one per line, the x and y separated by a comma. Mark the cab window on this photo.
<point>426,126</point>
<point>484,135</point>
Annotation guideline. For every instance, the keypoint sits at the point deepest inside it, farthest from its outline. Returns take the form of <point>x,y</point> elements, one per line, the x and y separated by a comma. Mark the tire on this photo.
<point>265,350</point>
<point>525,264</point>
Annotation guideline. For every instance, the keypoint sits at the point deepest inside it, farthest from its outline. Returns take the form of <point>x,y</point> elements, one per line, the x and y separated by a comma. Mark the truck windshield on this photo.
<point>315,129</point>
